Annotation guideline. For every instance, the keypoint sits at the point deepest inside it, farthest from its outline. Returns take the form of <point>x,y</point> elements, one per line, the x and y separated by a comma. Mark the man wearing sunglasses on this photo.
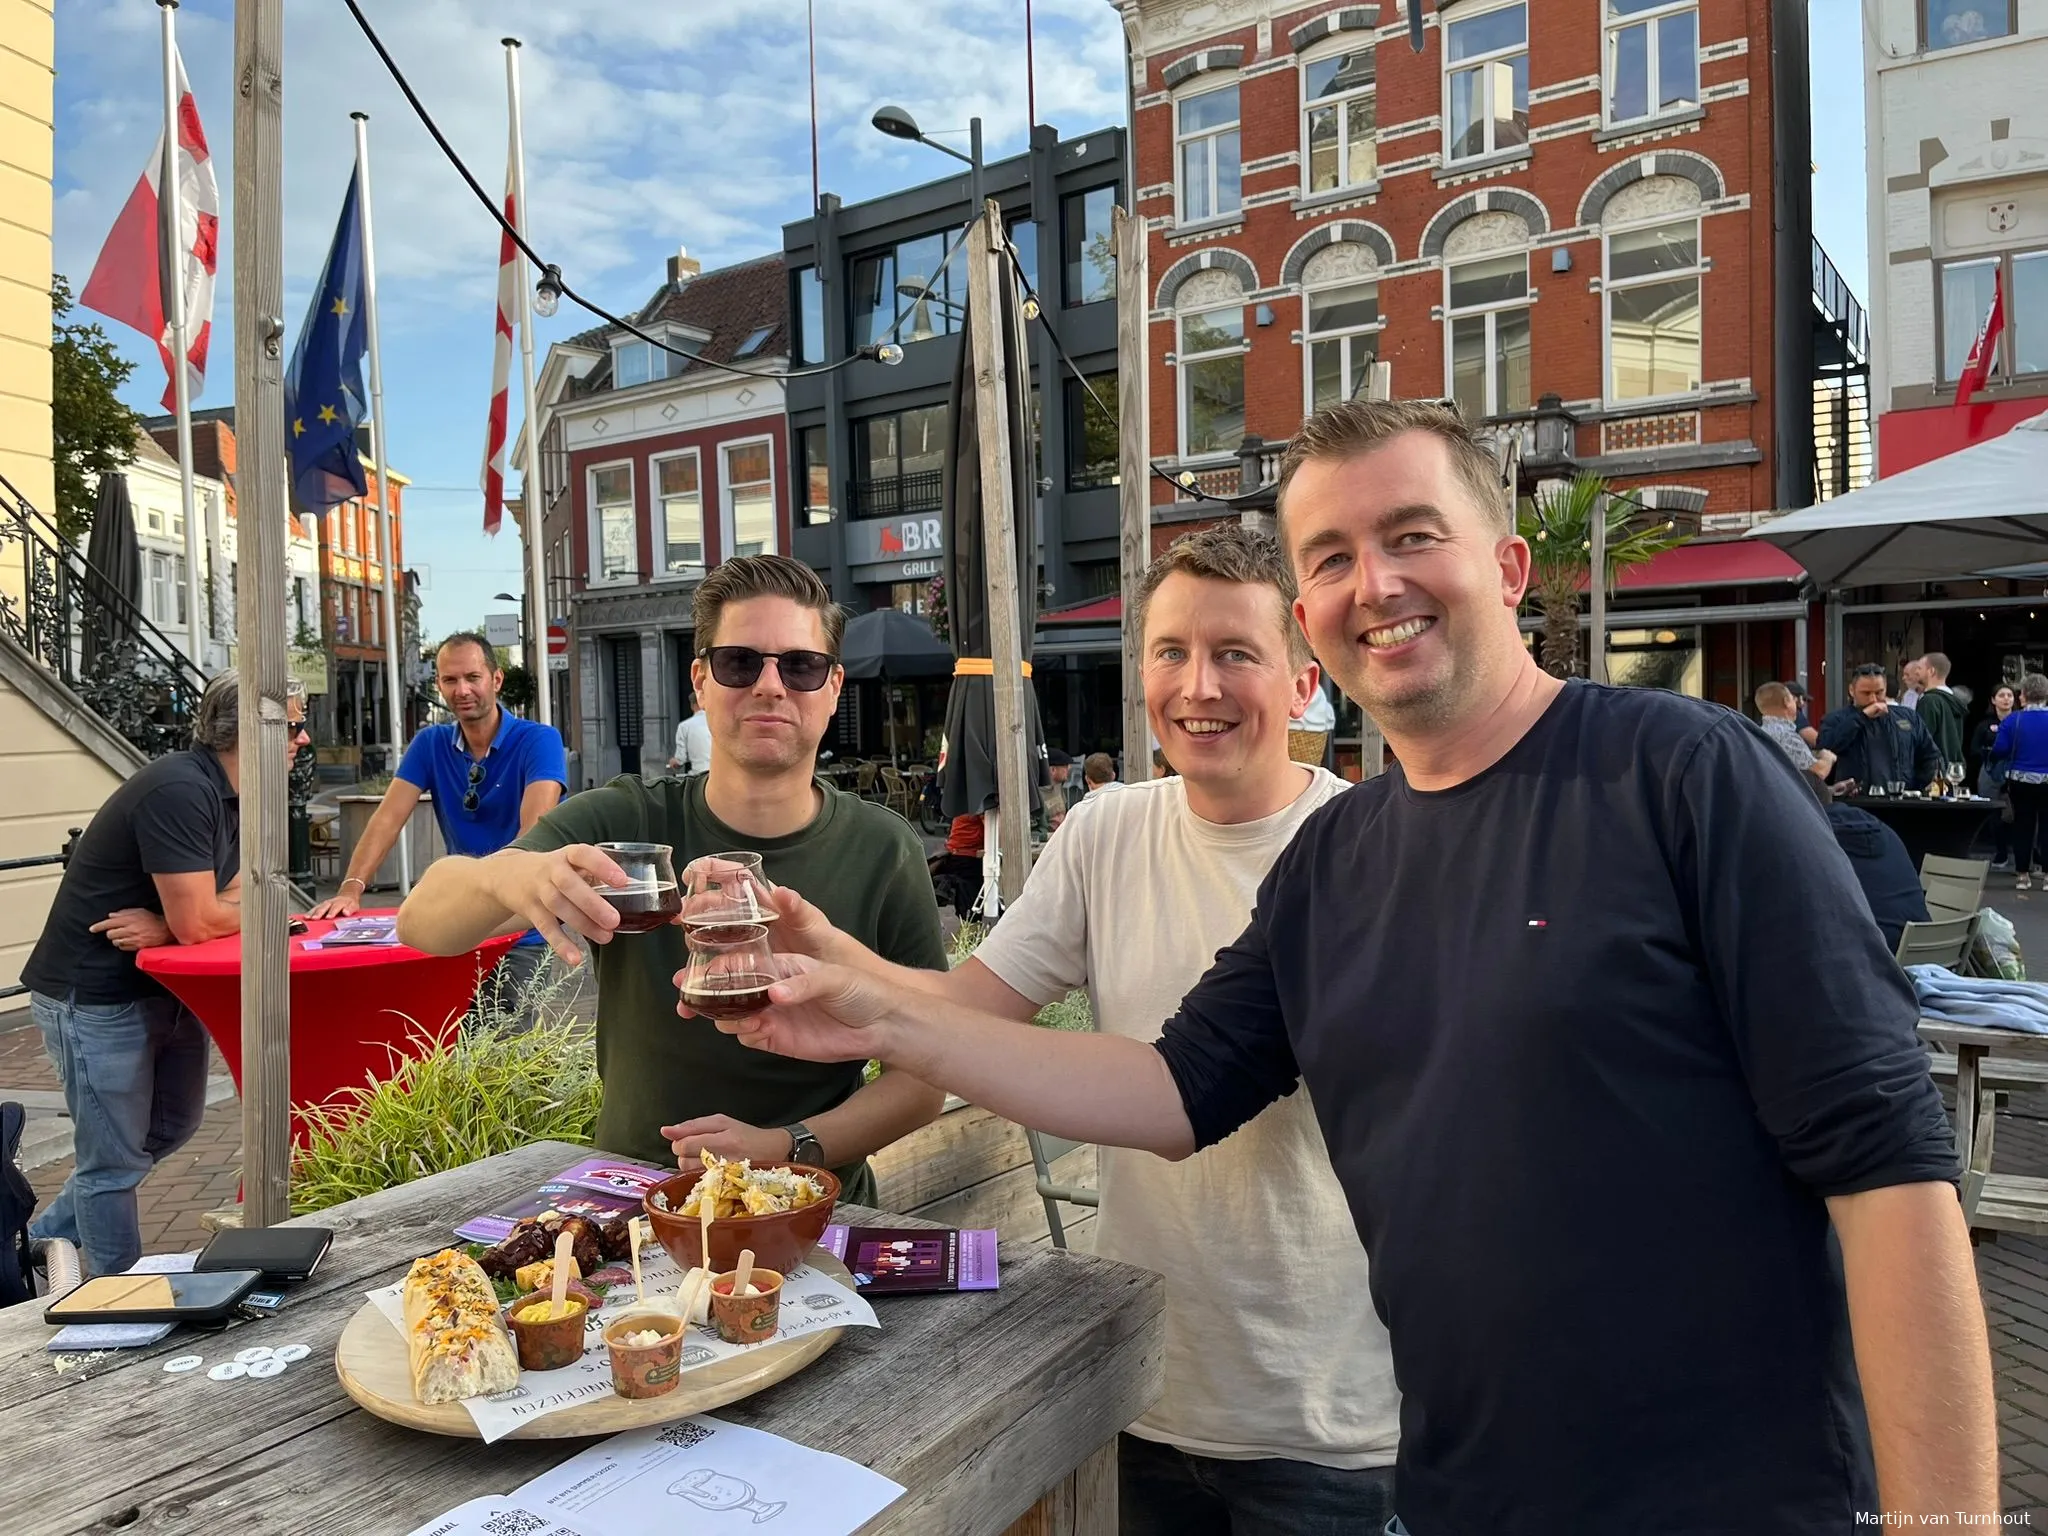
<point>492,776</point>
<point>767,675</point>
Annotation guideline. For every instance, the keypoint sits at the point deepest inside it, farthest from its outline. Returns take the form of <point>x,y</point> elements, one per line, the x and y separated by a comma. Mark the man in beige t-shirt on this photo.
<point>1280,1412</point>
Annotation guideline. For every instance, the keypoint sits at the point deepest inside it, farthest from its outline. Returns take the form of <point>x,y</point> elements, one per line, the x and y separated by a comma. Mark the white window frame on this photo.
<point>671,365</point>
<point>2005,354</point>
<point>1610,285</point>
<point>1480,62</point>
<point>1651,19</point>
<point>1182,359</point>
<point>1491,312</point>
<point>1205,85</point>
<point>1346,336</point>
<point>598,576</point>
<point>1344,43</point>
<point>658,508</point>
<point>1929,44</point>
<point>727,534</point>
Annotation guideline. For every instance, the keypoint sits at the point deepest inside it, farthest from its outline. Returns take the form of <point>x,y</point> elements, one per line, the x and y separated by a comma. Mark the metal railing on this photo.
<point>92,637</point>
<point>1832,293</point>
<point>38,861</point>
<point>898,495</point>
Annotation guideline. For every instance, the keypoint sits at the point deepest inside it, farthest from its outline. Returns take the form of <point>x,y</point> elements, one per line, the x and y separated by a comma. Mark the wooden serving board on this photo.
<point>371,1362</point>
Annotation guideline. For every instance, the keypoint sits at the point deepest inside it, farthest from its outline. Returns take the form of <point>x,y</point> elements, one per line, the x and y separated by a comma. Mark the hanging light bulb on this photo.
<point>547,293</point>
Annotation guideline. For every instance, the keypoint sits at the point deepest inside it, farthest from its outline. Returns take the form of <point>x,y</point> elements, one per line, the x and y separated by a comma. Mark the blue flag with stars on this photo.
<point>324,398</point>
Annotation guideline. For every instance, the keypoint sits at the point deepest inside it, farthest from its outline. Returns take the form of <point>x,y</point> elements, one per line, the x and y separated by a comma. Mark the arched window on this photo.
<point>1652,289</point>
<point>1209,320</point>
<point>1486,314</point>
<point>1341,324</point>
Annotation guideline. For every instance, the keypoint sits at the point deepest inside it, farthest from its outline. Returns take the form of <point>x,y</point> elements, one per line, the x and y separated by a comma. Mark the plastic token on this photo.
<point>265,1368</point>
<point>183,1364</point>
<point>228,1370</point>
<point>289,1353</point>
<point>254,1353</point>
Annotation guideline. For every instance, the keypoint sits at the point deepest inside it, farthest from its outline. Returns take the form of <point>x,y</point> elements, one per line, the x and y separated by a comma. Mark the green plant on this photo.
<point>466,1094</point>
<point>93,432</point>
<point>1559,529</point>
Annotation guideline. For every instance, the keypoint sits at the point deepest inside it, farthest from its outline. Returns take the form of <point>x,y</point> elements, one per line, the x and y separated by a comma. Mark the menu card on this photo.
<point>357,933</point>
<point>597,1187</point>
<point>889,1260</point>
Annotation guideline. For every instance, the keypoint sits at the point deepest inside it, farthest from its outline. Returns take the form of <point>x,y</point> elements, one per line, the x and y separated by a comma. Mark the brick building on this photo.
<point>654,468</point>
<point>1571,198</point>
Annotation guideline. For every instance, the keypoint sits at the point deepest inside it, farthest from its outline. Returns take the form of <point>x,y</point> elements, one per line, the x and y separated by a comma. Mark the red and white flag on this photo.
<point>501,368</point>
<point>132,280</point>
<point>1978,369</point>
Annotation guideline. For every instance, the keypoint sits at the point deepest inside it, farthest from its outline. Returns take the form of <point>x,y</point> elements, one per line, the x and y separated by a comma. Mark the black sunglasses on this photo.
<point>739,666</point>
<point>476,779</point>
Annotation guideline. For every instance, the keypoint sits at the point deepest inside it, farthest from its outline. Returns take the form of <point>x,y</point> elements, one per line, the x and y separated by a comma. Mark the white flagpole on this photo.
<point>394,691</point>
<point>171,218</point>
<point>530,491</point>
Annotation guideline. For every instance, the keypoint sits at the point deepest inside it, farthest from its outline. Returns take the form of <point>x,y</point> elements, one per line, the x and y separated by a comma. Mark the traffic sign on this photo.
<point>558,640</point>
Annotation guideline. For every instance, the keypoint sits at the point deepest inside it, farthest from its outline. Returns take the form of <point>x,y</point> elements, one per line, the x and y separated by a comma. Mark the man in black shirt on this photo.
<point>1552,983</point>
<point>158,865</point>
<point>1876,742</point>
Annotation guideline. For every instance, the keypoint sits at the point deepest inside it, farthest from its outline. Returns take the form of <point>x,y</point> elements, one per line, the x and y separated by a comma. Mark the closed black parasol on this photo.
<point>967,781</point>
<point>113,581</point>
<point>889,643</point>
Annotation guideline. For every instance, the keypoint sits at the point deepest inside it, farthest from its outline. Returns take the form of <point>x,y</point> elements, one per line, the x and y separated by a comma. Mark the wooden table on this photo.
<point>2003,1202</point>
<point>993,1409</point>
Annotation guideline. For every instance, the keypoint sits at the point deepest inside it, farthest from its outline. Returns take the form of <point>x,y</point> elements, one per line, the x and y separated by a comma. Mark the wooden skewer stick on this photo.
<point>743,1273</point>
<point>633,1236</point>
<point>565,1243</point>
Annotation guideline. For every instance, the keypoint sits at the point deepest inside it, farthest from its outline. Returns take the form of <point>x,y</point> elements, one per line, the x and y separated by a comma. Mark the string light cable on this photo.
<point>553,285</point>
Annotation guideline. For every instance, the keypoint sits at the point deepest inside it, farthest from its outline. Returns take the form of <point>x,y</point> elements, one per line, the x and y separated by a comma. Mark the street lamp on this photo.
<point>1552,454</point>
<point>899,124</point>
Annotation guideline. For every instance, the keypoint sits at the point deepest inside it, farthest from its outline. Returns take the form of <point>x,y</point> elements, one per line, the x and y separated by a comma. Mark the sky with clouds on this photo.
<point>649,124</point>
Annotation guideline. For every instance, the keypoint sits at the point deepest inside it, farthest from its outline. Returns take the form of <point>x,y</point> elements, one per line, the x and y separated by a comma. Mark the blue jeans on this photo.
<point>1165,1491</point>
<point>134,1076</point>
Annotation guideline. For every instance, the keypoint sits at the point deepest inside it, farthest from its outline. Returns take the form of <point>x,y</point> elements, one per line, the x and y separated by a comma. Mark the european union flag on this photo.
<point>324,397</point>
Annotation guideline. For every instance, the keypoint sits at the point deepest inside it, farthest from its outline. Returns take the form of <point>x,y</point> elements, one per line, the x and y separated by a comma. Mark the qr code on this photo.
<point>685,1435</point>
<point>515,1522</point>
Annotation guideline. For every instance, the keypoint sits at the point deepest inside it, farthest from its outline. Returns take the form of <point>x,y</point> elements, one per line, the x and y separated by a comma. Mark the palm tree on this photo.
<point>1559,529</point>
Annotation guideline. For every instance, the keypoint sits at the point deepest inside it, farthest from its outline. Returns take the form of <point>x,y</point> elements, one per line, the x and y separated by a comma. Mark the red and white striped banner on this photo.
<point>501,369</point>
<point>131,281</point>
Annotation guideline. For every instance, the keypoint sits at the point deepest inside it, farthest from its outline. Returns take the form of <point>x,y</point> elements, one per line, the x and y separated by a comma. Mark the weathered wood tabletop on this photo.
<point>989,1407</point>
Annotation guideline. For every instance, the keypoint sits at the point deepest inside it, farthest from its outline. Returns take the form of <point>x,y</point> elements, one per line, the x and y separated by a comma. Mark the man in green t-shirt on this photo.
<point>768,676</point>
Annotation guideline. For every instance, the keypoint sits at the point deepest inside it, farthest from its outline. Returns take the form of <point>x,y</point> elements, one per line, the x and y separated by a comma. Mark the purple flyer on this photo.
<point>885,1260</point>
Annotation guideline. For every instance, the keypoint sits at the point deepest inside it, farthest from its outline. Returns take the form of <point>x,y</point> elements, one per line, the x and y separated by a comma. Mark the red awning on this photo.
<point>1101,610</point>
<point>1729,563</point>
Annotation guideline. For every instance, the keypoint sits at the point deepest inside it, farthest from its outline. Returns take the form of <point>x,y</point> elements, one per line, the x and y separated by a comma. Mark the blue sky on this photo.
<point>648,125</point>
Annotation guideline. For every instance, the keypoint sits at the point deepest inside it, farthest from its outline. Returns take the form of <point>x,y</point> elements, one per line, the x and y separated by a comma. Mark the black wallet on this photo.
<point>282,1253</point>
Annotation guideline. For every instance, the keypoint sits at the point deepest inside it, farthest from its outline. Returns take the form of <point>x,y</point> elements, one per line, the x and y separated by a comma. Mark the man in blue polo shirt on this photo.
<point>491,775</point>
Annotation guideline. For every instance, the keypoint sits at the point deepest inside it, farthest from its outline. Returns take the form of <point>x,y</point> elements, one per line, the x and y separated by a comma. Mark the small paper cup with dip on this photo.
<point>750,1318</point>
<point>547,1343</point>
<point>644,1366</point>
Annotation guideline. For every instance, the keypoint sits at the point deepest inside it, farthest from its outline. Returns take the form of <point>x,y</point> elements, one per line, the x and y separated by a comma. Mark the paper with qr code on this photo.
<point>498,1516</point>
<point>703,1474</point>
<point>811,1301</point>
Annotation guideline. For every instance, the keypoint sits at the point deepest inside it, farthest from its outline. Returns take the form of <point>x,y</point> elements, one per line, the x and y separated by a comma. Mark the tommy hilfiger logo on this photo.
<point>1539,922</point>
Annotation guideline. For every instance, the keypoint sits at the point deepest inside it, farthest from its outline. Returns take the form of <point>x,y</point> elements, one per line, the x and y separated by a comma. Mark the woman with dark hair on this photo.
<point>1991,772</point>
<point>2022,747</point>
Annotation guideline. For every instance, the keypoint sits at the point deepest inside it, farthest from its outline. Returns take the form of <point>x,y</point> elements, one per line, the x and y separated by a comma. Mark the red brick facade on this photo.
<point>1722,148</point>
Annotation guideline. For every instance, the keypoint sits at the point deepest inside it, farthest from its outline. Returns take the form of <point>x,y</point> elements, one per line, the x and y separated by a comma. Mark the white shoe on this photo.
<point>2024,883</point>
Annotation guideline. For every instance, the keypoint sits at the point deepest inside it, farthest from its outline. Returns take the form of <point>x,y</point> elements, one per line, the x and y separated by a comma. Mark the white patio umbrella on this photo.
<point>1983,508</point>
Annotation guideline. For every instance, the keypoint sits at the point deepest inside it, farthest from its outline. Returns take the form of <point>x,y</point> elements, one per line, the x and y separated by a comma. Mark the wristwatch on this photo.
<point>803,1146</point>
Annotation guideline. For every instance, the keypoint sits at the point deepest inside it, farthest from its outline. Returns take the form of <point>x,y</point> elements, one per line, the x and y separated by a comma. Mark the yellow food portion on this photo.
<point>540,1275</point>
<point>547,1311</point>
<point>736,1188</point>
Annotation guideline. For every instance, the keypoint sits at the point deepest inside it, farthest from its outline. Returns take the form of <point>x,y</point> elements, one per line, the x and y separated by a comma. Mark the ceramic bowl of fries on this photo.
<point>744,1213</point>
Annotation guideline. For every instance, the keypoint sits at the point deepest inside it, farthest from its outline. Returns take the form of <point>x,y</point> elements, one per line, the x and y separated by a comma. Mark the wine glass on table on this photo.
<point>730,969</point>
<point>650,898</point>
<point>726,890</point>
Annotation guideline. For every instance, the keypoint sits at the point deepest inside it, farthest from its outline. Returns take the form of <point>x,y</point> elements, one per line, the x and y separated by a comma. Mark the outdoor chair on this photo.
<point>1954,887</point>
<point>1945,943</point>
<point>1045,1151</point>
<point>896,793</point>
<point>864,786</point>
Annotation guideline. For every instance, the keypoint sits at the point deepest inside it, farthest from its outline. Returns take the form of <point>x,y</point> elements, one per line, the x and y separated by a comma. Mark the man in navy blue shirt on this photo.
<point>491,775</point>
<point>1658,1209</point>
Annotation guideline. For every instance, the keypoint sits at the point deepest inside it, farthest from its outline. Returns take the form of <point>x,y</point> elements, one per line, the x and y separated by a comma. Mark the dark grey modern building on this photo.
<point>866,441</point>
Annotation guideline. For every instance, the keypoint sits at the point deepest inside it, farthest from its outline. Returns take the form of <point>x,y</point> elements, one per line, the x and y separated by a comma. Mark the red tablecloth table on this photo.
<point>351,1008</point>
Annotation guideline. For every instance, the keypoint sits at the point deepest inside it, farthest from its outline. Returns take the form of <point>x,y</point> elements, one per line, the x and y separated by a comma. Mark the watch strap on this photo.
<point>800,1137</point>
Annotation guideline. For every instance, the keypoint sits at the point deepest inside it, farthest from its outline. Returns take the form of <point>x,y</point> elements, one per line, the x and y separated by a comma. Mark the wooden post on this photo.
<point>987,276</point>
<point>259,423</point>
<point>1134,477</point>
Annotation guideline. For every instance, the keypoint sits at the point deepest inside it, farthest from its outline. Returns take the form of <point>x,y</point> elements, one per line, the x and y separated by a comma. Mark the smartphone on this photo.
<point>189,1298</point>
